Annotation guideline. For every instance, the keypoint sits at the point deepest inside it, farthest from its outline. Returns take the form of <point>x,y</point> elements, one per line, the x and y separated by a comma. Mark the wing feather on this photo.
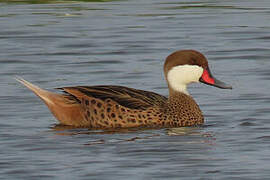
<point>127,97</point>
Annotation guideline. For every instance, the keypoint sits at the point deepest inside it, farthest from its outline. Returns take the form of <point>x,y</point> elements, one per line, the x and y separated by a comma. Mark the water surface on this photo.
<point>65,43</point>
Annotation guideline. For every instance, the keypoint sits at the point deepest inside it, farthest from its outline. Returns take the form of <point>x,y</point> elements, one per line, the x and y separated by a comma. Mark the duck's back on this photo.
<point>116,106</point>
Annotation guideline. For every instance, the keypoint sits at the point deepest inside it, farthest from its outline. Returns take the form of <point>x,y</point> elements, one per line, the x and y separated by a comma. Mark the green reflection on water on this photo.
<point>49,1</point>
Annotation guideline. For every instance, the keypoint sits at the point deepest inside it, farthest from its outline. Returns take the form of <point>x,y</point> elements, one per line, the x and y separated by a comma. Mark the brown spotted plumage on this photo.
<point>123,107</point>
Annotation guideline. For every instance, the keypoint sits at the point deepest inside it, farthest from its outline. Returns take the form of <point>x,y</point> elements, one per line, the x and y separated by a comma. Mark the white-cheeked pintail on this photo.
<point>122,107</point>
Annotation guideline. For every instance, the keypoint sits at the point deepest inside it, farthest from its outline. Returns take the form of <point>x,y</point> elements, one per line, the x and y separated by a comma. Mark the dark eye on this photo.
<point>193,61</point>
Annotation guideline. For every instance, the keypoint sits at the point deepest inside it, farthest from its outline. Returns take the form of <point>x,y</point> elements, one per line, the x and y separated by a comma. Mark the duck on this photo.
<point>112,106</point>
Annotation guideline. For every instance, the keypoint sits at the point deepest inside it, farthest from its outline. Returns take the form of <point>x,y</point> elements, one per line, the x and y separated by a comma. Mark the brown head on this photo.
<point>187,66</point>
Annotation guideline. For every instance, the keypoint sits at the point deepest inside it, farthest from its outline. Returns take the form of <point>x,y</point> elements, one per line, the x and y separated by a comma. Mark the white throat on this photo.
<point>180,76</point>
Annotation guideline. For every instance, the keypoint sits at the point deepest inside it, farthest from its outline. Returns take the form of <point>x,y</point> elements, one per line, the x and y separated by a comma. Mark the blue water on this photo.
<point>58,43</point>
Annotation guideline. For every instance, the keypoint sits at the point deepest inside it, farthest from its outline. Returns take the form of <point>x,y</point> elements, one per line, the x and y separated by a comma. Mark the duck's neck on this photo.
<point>177,96</point>
<point>179,102</point>
<point>173,92</point>
<point>183,109</point>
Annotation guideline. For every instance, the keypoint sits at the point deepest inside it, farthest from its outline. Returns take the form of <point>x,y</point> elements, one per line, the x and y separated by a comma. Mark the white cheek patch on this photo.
<point>180,76</point>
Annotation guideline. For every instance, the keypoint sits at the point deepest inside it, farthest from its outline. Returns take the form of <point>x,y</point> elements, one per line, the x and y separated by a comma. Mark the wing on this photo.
<point>127,97</point>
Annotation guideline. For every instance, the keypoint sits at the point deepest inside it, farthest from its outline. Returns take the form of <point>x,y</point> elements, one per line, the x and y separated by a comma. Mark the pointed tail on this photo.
<point>43,94</point>
<point>64,109</point>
